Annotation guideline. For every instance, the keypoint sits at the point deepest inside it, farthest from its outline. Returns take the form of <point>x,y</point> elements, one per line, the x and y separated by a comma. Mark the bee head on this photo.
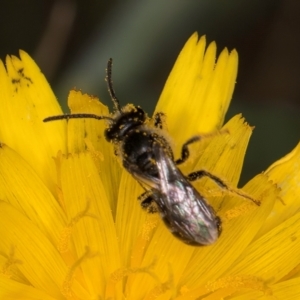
<point>126,120</point>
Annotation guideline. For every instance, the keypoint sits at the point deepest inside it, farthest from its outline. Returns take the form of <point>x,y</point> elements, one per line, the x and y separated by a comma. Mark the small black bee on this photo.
<point>148,157</point>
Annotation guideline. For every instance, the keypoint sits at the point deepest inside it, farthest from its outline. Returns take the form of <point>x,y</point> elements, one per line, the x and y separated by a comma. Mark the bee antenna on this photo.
<point>77,116</point>
<point>111,91</point>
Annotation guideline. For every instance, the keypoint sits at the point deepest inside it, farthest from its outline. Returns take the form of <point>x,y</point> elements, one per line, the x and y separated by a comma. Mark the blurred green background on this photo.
<point>72,41</point>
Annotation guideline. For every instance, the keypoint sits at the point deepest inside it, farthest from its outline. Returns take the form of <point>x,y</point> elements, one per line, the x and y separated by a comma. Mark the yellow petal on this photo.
<point>39,261</point>
<point>225,152</point>
<point>129,206</point>
<point>88,134</point>
<point>10,289</point>
<point>286,174</point>
<point>89,211</point>
<point>287,290</point>
<point>26,99</point>
<point>273,255</point>
<point>24,190</point>
<point>80,129</point>
<point>197,93</point>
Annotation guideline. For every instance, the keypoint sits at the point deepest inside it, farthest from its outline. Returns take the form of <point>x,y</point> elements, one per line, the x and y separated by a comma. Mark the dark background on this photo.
<point>72,40</point>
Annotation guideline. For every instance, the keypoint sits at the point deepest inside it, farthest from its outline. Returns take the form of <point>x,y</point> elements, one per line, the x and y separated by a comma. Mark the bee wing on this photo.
<point>183,208</point>
<point>147,181</point>
<point>171,180</point>
<point>174,187</point>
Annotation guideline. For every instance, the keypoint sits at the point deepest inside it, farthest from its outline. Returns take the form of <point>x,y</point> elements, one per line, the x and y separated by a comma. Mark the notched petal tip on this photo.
<point>198,88</point>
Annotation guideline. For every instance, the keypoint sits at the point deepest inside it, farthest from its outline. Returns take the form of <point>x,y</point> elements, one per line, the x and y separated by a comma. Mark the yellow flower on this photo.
<point>70,224</point>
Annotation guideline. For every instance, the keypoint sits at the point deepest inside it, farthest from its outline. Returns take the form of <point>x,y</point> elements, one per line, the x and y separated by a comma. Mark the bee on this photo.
<point>146,154</point>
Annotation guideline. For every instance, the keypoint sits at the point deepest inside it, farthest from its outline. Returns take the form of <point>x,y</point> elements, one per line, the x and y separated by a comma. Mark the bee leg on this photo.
<point>202,173</point>
<point>147,202</point>
<point>185,153</point>
<point>158,122</point>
